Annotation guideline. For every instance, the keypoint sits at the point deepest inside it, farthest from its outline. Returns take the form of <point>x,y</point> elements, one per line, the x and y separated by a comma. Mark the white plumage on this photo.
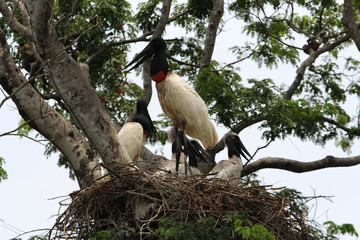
<point>132,135</point>
<point>181,103</point>
<point>227,169</point>
<point>231,169</point>
<point>131,138</point>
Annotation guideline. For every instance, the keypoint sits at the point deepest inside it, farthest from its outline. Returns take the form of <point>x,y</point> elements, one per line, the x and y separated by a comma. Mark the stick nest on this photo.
<point>133,197</point>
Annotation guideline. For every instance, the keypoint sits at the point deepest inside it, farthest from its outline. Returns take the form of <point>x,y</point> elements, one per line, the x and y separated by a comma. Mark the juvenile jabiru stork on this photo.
<point>132,135</point>
<point>169,166</point>
<point>231,168</point>
<point>181,103</point>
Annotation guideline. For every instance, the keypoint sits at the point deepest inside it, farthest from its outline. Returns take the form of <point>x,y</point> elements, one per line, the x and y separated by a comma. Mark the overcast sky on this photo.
<point>26,197</point>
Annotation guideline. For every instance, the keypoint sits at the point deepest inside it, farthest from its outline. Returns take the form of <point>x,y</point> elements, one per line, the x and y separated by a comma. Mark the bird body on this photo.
<point>227,169</point>
<point>231,169</point>
<point>131,138</point>
<point>182,104</point>
<point>132,135</point>
<point>179,101</point>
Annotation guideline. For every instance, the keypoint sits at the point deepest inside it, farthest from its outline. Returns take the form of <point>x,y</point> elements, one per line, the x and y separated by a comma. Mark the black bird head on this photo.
<point>235,146</point>
<point>159,65</point>
<point>142,116</point>
<point>195,150</point>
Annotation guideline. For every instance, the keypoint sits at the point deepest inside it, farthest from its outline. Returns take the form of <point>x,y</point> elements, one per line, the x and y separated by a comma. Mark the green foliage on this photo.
<point>200,8</point>
<point>24,129</point>
<point>189,50</point>
<point>334,229</point>
<point>218,90</point>
<point>122,232</point>
<point>278,31</point>
<point>232,226</point>
<point>148,15</point>
<point>3,173</point>
<point>250,180</point>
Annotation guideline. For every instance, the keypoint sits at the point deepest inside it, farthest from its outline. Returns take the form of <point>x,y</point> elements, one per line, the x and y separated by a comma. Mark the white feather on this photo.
<point>227,169</point>
<point>181,103</point>
<point>131,137</point>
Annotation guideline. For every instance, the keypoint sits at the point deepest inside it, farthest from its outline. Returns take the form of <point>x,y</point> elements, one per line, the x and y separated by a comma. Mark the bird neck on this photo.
<point>160,76</point>
<point>233,155</point>
<point>159,66</point>
<point>145,123</point>
<point>235,159</point>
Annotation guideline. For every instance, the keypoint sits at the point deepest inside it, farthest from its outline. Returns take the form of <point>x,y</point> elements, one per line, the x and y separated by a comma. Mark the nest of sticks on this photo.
<point>134,198</point>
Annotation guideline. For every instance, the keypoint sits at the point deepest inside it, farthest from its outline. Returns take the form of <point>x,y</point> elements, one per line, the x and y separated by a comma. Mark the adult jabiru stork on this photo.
<point>181,103</point>
<point>132,135</point>
<point>231,168</point>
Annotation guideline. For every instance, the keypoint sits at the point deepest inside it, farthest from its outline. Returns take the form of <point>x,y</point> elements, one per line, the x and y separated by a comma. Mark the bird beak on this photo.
<point>241,148</point>
<point>145,54</point>
<point>196,148</point>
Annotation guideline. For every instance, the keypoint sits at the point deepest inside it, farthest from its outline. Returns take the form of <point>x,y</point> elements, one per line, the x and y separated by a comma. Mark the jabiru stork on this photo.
<point>132,135</point>
<point>231,168</point>
<point>169,166</point>
<point>181,103</point>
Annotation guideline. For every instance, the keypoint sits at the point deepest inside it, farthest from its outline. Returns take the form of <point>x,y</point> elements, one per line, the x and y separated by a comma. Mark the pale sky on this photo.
<point>25,202</point>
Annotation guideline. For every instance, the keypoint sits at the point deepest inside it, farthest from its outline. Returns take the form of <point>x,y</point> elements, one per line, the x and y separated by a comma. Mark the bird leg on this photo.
<point>185,148</point>
<point>178,150</point>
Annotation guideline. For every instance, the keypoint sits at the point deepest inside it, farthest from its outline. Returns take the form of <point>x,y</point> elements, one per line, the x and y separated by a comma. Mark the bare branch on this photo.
<point>165,12</point>
<point>299,167</point>
<point>258,149</point>
<point>16,129</point>
<point>113,44</point>
<point>30,138</point>
<point>239,60</point>
<point>349,22</point>
<point>211,33</point>
<point>181,62</point>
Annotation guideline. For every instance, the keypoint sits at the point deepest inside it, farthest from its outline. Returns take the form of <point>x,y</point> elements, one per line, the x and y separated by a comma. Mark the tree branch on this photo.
<point>310,60</point>
<point>349,22</point>
<point>211,32</point>
<point>141,38</point>
<point>160,27</point>
<point>113,44</point>
<point>24,13</point>
<point>337,124</point>
<point>13,22</point>
<point>297,166</point>
<point>44,119</point>
<point>71,82</point>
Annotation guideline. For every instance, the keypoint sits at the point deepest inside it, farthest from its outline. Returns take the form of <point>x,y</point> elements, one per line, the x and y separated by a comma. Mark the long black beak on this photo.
<point>145,54</point>
<point>241,148</point>
<point>197,149</point>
